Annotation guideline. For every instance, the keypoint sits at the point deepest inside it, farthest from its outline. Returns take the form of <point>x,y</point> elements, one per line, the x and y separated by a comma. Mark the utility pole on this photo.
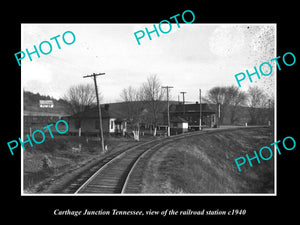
<point>183,101</point>
<point>99,107</point>
<point>200,110</point>
<point>167,87</point>
<point>219,114</point>
<point>270,113</point>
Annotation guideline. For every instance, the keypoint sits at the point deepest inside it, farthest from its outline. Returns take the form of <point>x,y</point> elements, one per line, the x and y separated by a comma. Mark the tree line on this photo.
<point>146,103</point>
<point>231,100</point>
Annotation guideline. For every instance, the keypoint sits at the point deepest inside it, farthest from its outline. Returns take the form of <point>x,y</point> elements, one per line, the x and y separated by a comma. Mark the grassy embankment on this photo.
<point>205,164</point>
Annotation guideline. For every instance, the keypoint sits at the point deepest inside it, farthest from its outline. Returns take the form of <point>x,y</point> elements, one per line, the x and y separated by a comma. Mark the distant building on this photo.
<point>37,120</point>
<point>178,125</point>
<point>40,111</point>
<point>180,114</point>
<point>46,104</point>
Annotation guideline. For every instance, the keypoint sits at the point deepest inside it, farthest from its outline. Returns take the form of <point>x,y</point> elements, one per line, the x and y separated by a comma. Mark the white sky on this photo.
<point>188,58</point>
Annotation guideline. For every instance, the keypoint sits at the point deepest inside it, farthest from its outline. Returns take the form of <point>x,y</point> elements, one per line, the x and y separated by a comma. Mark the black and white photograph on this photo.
<point>161,113</point>
<point>142,109</point>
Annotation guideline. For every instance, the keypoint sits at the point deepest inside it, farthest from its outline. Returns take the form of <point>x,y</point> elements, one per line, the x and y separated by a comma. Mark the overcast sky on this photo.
<point>188,58</point>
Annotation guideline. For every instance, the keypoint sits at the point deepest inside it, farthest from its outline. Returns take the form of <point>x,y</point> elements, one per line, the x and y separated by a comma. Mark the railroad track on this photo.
<point>122,172</point>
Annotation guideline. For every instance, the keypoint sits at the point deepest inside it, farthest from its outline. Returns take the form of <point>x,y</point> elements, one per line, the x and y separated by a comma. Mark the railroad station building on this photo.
<point>184,117</point>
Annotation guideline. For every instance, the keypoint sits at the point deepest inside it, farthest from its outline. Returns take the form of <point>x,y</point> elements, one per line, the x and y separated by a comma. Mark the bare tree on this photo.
<point>132,98</point>
<point>218,95</point>
<point>236,98</point>
<point>257,100</point>
<point>80,97</point>
<point>229,98</point>
<point>271,105</point>
<point>152,94</point>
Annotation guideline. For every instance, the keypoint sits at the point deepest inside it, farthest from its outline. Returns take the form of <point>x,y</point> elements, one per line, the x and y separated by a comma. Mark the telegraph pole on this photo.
<point>270,113</point>
<point>183,100</point>
<point>99,107</point>
<point>167,87</point>
<point>219,114</point>
<point>200,110</point>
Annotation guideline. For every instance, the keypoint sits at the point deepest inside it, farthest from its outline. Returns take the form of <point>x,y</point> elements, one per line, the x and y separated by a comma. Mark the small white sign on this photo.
<point>46,104</point>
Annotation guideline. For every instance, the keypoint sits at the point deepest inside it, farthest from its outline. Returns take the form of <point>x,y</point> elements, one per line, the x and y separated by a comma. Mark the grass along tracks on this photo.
<point>124,173</point>
<point>127,170</point>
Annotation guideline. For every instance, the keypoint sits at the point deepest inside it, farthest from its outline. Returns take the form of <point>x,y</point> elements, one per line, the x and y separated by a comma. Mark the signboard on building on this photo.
<point>46,104</point>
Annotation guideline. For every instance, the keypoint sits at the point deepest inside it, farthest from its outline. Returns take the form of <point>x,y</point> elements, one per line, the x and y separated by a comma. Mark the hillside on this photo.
<point>205,164</point>
<point>31,104</point>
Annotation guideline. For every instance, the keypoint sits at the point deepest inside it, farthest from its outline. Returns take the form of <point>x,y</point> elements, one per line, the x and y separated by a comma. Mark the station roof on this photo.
<point>93,113</point>
<point>192,108</point>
